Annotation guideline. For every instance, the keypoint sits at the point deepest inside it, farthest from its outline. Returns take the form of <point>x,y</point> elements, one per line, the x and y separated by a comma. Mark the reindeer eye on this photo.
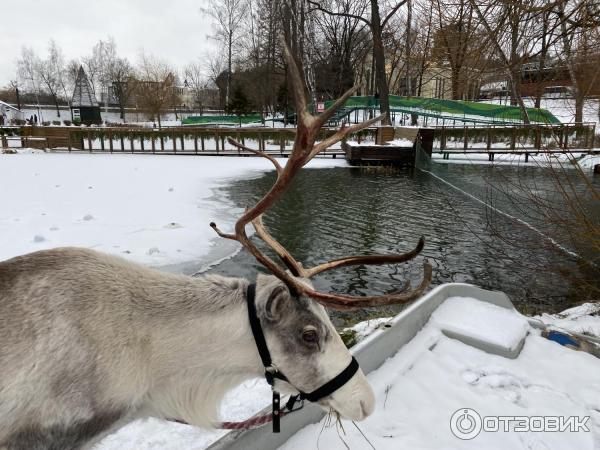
<point>310,336</point>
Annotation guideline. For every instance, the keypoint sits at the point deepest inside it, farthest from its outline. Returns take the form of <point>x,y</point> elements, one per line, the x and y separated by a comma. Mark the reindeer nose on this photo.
<point>366,408</point>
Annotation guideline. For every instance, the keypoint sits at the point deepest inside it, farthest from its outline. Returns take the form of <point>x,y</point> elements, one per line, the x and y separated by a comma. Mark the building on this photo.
<point>8,114</point>
<point>84,106</point>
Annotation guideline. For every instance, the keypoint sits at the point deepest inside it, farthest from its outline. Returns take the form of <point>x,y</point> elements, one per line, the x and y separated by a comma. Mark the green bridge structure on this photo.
<point>443,112</point>
<point>436,112</point>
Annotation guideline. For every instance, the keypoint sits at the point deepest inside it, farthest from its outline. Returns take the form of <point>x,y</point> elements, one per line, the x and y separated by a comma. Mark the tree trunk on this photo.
<point>379,53</point>
<point>408,31</point>
<point>18,98</point>
<point>56,104</point>
<point>577,94</point>
<point>229,51</point>
<point>543,53</point>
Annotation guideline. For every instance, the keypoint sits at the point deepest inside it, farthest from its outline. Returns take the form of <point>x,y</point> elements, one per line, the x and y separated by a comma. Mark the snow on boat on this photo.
<point>459,355</point>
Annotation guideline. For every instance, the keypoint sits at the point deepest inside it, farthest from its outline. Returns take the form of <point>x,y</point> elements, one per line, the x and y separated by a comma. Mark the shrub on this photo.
<point>56,122</point>
<point>45,123</point>
<point>67,123</point>
<point>76,121</point>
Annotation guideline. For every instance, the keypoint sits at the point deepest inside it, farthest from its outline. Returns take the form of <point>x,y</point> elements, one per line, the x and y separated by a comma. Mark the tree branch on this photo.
<point>317,7</point>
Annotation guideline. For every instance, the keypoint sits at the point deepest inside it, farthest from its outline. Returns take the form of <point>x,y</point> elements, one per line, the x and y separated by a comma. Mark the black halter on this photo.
<point>272,372</point>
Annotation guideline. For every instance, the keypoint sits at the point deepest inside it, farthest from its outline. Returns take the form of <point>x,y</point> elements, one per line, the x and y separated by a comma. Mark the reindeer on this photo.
<point>90,341</point>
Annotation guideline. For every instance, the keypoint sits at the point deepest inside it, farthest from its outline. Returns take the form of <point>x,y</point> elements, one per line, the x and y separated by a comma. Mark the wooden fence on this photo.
<point>172,140</point>
<point>212,141</point>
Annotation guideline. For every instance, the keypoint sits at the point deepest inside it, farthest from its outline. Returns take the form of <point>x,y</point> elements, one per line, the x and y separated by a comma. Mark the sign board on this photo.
<point>320,106</point>
<point>76,113</point>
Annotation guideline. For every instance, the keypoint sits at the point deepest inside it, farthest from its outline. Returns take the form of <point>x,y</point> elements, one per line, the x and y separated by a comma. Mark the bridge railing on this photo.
<point>516,137</point>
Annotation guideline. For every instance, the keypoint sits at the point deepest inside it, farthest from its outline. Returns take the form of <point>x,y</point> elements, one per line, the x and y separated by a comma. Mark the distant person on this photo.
<point>35,119</point>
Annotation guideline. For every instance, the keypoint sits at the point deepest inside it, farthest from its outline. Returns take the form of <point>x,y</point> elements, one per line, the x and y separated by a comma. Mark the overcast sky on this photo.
<point>175,30</point>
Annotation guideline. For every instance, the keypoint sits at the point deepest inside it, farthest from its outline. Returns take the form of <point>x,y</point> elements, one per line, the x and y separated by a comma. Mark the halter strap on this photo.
<point>272,372</point>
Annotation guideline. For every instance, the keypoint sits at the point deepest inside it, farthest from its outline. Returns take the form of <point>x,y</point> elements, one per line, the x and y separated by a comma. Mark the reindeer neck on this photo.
<point>212,336</point>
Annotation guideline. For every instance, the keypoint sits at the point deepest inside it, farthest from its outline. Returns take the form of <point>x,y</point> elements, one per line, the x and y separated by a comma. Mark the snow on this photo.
<point>148,208</point>
<point>589,161</point>
<point>584,319</point>
<point>150,433</point>
<point>482,321</point>
<point>433,376</point>
<point>364,329</point>
<point>563,108</point>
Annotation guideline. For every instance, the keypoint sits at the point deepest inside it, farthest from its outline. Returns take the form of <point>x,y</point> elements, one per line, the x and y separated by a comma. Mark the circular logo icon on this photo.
<point>465,424</point>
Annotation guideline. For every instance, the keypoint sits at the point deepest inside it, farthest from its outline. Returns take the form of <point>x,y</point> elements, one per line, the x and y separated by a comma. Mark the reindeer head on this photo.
<point>299,334</point>
<point>305,346</point>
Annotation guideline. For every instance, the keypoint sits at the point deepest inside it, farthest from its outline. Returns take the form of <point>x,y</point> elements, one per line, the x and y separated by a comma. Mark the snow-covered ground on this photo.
<point>420,388</point>
<point>154,210</point>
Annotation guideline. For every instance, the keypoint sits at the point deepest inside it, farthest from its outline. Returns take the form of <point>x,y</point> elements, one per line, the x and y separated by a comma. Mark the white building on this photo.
<point>9,113</point>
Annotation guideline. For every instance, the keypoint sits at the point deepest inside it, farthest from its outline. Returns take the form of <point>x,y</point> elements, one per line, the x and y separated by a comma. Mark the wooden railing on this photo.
<point>167,140</point>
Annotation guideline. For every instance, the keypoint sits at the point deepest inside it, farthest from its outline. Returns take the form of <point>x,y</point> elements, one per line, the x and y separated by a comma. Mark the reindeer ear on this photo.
<point>277,303</point>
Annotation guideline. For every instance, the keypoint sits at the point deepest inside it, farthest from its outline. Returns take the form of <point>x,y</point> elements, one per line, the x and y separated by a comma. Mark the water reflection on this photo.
<point>329,213</point>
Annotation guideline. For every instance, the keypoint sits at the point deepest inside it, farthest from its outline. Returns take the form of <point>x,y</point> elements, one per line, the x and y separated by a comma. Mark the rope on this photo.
<point>253,422</point>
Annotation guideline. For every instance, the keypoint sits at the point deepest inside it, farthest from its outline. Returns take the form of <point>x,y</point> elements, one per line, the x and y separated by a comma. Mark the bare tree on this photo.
<point>52,73</point>
<point>99,66</point>
<point>376,23</point>
<point>228,16</point>
<point>27,71</point>
<point>197,81</point>
<point>122,77</point>
<point>154,88</point>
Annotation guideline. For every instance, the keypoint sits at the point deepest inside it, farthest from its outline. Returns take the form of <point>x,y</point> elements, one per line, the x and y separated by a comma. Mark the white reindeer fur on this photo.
<point>86,335</point>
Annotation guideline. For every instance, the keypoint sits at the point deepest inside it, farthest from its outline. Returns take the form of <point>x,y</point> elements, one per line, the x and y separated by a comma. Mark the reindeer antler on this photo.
<point>303,151</point>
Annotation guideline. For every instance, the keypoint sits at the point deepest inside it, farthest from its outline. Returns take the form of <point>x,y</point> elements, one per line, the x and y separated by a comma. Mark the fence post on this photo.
<point>593,137</point>
<point>513,138</point>
<point>89,139</point>
<point>131,145</point>
<point>443,138</point>
<point>217,140</point>
<point>152,139</point>
<point>195,141</point>
<point>174,141</point>
<point>566,137</point>
<point>110,140</point>
<point>488,144</point>
<point>538,138</point>
<point>466,141</point>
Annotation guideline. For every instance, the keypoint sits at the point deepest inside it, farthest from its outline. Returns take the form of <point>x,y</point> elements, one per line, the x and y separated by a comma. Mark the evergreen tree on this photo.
<point>238,103</point>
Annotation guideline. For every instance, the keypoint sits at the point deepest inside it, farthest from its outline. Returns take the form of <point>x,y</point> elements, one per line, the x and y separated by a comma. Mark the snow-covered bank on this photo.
<point>433,376</point>
<point>151,209</point>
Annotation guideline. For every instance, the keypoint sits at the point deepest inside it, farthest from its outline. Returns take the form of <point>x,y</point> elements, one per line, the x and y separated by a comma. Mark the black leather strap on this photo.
<point>271,372</point>
<point>333,385</point>
<point>261,343</point>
